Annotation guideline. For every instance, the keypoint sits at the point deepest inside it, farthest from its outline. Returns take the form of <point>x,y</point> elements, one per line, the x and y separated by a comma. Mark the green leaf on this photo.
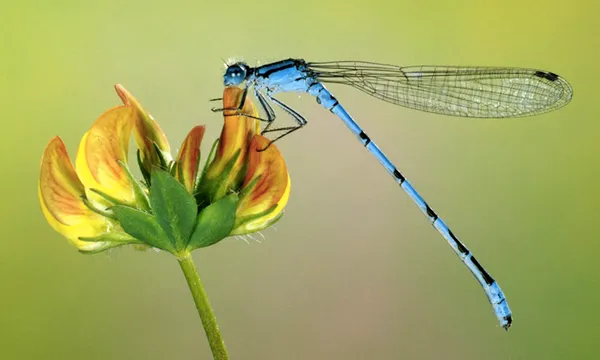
<point>143,226</point>
<point>174,208</point>
<point>214,222</point>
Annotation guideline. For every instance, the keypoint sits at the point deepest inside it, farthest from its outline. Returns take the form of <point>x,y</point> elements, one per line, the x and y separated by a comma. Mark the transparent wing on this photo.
<point>482,92</point>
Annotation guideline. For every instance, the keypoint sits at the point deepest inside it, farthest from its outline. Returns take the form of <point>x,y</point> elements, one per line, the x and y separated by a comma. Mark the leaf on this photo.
<point>174,208</point>
<point>143,226</point>
<point>214,222</point>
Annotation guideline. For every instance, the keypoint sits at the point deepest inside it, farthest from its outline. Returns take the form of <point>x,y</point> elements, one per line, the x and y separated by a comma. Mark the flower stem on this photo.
<point>209,321</point>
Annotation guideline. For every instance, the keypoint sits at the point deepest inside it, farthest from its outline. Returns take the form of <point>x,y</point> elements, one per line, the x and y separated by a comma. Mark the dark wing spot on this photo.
<point>551,76</point>
<point>546,75</point>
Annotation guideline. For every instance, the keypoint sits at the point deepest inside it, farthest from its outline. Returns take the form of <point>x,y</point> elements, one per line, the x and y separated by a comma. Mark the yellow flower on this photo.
<point>61,196</point>
<point>177,208</point>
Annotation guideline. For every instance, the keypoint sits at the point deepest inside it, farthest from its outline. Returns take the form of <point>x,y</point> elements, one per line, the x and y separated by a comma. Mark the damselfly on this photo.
<point>480,92</point>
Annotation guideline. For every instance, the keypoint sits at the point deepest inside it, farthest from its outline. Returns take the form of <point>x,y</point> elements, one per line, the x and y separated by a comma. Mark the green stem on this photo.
<point>209,321</point>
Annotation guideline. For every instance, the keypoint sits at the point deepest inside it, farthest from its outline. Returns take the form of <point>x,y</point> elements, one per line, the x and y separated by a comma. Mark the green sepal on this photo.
<point>240,222</point>
<point>112,236</point>
<point>110,199</point>
<point>173,207</point>
<point>246,189</point>
<point>104,247</point>
<point>106,213</point>
<point>162,162</point>
<point>145,172</point>
<point>174,168</point>
<point>111,239</point>
<point>214,222</point>
<point>143,226</point>
<point>141,199</point>
<point>209,159</point>
<point>211,190</point>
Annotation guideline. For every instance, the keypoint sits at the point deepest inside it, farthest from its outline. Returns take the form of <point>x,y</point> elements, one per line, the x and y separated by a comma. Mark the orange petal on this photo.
<point>270,181</point>
<point>188,158</point>
<point>237,132</point>
<point>101,149</point>
<point>146,131</point>
<point>232,96</point>
<point>60,193</point>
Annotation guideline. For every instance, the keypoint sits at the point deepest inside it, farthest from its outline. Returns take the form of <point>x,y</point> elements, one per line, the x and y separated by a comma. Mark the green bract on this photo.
<point>173,222</point>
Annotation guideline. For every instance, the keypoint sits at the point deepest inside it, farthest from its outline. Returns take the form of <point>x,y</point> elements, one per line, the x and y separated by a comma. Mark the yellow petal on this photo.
<point>235,137</point>
<point>101,149</point>
<point>60,193</point>
<point>146,131</point>
<point>189,157</point>
<point>270,188</point>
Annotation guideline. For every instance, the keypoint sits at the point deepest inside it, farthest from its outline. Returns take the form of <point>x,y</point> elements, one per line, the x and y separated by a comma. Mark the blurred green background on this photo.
<point>353,270</point>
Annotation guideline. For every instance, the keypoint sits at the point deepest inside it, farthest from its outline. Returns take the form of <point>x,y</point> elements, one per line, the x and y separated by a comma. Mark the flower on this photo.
<point>98,204</point>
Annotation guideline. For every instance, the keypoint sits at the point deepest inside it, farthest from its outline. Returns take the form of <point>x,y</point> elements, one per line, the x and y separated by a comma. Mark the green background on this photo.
<point>353,270</point>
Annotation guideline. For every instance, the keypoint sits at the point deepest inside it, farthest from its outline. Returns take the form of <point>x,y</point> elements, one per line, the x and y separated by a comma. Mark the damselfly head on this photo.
<point>235,74</point>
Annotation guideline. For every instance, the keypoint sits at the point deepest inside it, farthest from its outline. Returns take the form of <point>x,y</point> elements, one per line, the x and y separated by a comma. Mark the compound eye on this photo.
<point>235,74</point>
